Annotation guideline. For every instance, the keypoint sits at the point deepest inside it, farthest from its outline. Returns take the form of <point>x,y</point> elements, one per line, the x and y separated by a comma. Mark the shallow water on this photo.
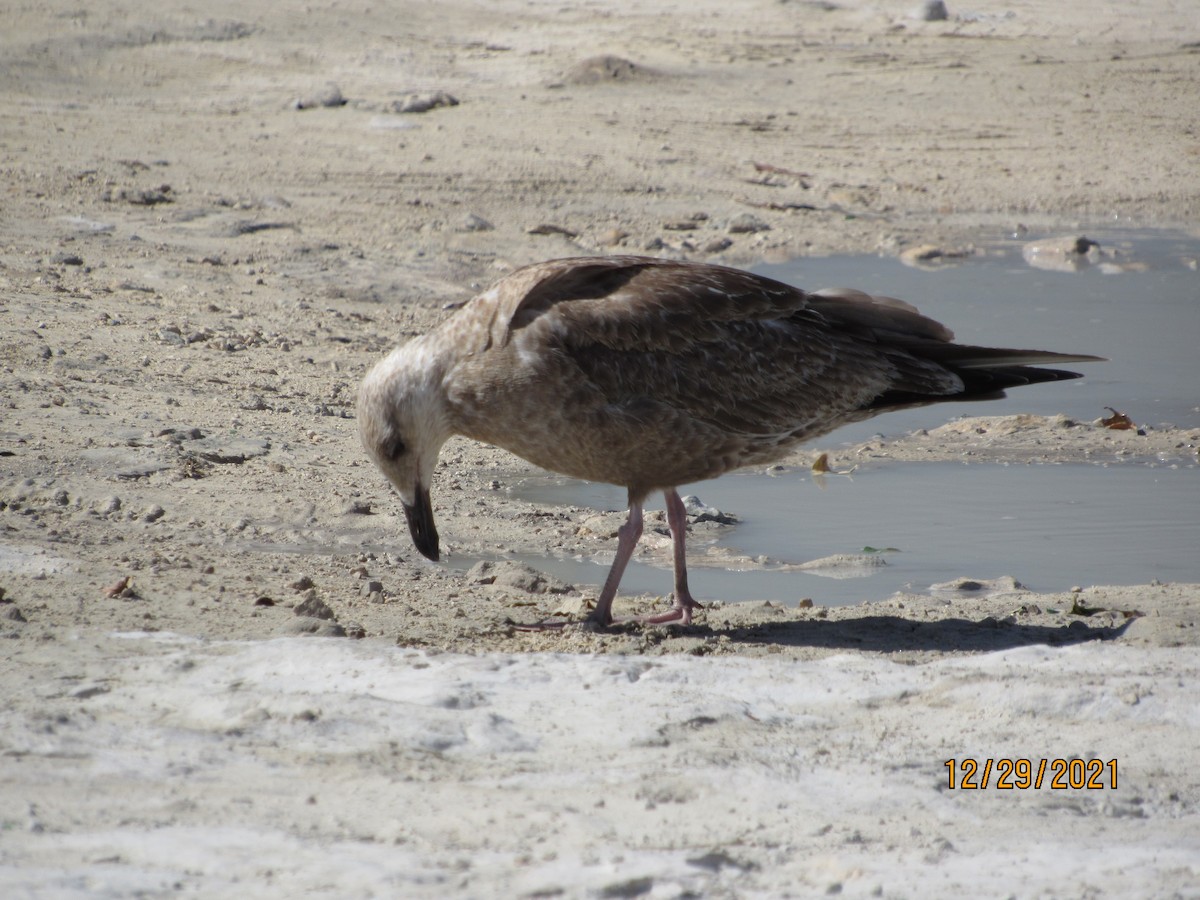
<point>1146,323</point>
<point>1049,526</point>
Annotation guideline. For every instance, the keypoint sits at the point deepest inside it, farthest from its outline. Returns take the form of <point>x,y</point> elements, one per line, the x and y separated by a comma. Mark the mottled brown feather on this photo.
<point>654,373</point>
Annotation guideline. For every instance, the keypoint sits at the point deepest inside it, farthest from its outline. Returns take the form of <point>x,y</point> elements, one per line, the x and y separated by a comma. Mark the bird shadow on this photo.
<point>895,634</point>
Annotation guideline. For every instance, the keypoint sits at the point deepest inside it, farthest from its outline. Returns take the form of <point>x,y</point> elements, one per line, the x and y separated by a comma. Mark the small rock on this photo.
<point>314,608</point>
<point>139,196</point>
<point>607,68</point>
<point>1003,584</point>
<point>154,513</point>
<point>547,228</point>
<point>329,96</point>
<point>87,691</point>
<point>423,102</point>
<point>698,511</point>
<point>716,245</point>
<point>309,627</point>
<point>473,222</point>
<point>67,259</point>
<point>573,607</point>
<point>515,576</point>
<point>11,613</point>
<point>613,237</point>
<point>1062,254</point>
<point>747,224</point>
<point>928,256</point>
<point>931,11</point>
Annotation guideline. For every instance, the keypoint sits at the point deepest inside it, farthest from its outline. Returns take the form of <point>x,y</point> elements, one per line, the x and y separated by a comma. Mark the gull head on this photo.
<point>402,423</point>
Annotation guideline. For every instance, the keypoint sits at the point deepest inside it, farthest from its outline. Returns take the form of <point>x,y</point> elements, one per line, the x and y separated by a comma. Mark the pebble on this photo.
<point>139,196</point>
<point>314,608</point>
<point>699,511</point>
<point>309,627</point>
<point>329,96</point>
<point>613,237</point>
<point>547,228</point>
<point>11,613</point>
<point>747,224</point>
<point>423,102</point>
<point>929,256</point>
<point>1062,254</point>
<point>1003,584</point>
<point>931,11</point>
<point>473,222</point>
<point>606,68</point>
<point>516,576</point>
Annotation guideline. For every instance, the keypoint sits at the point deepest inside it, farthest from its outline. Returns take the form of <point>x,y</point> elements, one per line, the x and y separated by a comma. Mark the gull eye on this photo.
<point>393,447</point>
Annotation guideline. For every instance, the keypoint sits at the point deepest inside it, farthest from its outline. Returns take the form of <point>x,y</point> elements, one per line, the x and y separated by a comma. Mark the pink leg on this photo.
<point>684,603</point>
<point>627,538</point>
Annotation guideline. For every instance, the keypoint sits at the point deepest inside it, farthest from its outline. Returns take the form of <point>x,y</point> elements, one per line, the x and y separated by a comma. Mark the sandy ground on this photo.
<point>199,260</point>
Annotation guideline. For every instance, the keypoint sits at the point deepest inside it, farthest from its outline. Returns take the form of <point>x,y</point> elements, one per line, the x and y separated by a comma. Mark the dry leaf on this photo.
<point>820,466</point>
<point>1118,421</point>
<point>117,588</point>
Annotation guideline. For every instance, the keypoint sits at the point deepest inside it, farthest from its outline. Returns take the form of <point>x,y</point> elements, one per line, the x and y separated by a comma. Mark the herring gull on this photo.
<point>651,374</point>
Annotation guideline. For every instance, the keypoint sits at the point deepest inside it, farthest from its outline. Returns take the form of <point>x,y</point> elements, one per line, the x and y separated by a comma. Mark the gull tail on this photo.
<point>985,373</point>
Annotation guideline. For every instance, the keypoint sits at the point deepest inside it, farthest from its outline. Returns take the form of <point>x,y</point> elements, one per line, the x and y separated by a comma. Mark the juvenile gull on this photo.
<point>653,373</point>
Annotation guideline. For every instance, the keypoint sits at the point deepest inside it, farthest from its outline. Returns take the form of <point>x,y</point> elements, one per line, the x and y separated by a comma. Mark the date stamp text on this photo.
<point>1007,774</point>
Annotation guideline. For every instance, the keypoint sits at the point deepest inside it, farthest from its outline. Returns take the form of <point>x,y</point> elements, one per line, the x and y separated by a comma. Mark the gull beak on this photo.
<point>420,523</point>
